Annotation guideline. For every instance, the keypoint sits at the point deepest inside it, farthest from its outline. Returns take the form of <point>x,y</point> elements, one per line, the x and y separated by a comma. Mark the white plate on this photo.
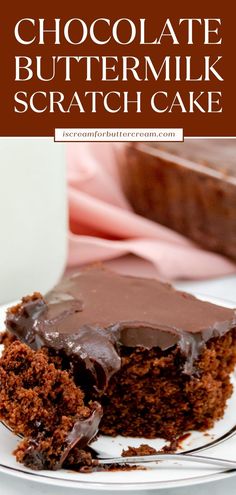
<point>219,441</point>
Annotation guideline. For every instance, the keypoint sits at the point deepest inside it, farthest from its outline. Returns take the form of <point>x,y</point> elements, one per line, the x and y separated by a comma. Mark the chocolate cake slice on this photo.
<point>158,360</point>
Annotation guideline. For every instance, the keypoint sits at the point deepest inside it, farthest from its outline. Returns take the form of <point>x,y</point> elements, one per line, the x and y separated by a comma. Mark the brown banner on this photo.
<point>117,64</point>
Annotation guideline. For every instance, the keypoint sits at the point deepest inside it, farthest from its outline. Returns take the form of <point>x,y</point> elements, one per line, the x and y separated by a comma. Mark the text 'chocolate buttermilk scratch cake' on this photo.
<point>189,187</point>
<point>121,354</point>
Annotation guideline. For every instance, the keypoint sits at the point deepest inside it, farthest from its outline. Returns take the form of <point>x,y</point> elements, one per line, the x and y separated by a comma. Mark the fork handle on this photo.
<point>200,459</point>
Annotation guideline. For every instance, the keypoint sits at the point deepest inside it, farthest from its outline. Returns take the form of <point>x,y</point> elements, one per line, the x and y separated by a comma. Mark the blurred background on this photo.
<point>165,210</point>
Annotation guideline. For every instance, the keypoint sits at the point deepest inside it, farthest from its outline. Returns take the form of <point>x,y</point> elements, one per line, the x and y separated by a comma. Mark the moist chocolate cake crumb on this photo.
<point>143,449</point>
<point>150,397</point>
<point>81,460</point>
<point>121,467</point>
<point>43,404</point>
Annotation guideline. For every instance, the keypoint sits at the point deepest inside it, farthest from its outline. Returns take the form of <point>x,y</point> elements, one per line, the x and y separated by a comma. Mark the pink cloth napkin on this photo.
<point>103,226</point>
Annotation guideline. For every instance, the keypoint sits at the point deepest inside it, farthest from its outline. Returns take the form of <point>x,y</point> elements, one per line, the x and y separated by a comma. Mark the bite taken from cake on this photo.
<point>116,355</point>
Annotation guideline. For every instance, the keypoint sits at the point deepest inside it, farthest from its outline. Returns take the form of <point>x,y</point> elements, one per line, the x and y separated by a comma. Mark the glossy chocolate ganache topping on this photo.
<point>91,315</point>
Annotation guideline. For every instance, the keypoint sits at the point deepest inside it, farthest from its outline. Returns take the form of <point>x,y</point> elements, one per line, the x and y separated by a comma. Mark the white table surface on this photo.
<point>224,288</point>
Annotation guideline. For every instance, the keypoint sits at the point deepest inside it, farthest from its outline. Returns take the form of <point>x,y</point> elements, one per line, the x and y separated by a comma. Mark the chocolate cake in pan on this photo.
<point>116,354</point>
<point>189,187</point>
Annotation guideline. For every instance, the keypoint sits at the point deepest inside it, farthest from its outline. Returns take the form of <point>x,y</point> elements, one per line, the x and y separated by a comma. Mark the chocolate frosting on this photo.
<point>217,154</point>
<point>90,315</point>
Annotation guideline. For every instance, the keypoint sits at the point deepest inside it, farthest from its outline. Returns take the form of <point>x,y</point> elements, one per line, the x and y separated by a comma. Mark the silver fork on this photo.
<point>199,459</point>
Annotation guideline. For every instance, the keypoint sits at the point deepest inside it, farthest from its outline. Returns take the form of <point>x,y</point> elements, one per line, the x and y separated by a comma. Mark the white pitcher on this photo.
<point>33,216</point>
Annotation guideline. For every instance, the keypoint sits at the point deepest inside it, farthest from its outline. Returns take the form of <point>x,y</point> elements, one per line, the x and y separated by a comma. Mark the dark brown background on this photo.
<point>197,124</point>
